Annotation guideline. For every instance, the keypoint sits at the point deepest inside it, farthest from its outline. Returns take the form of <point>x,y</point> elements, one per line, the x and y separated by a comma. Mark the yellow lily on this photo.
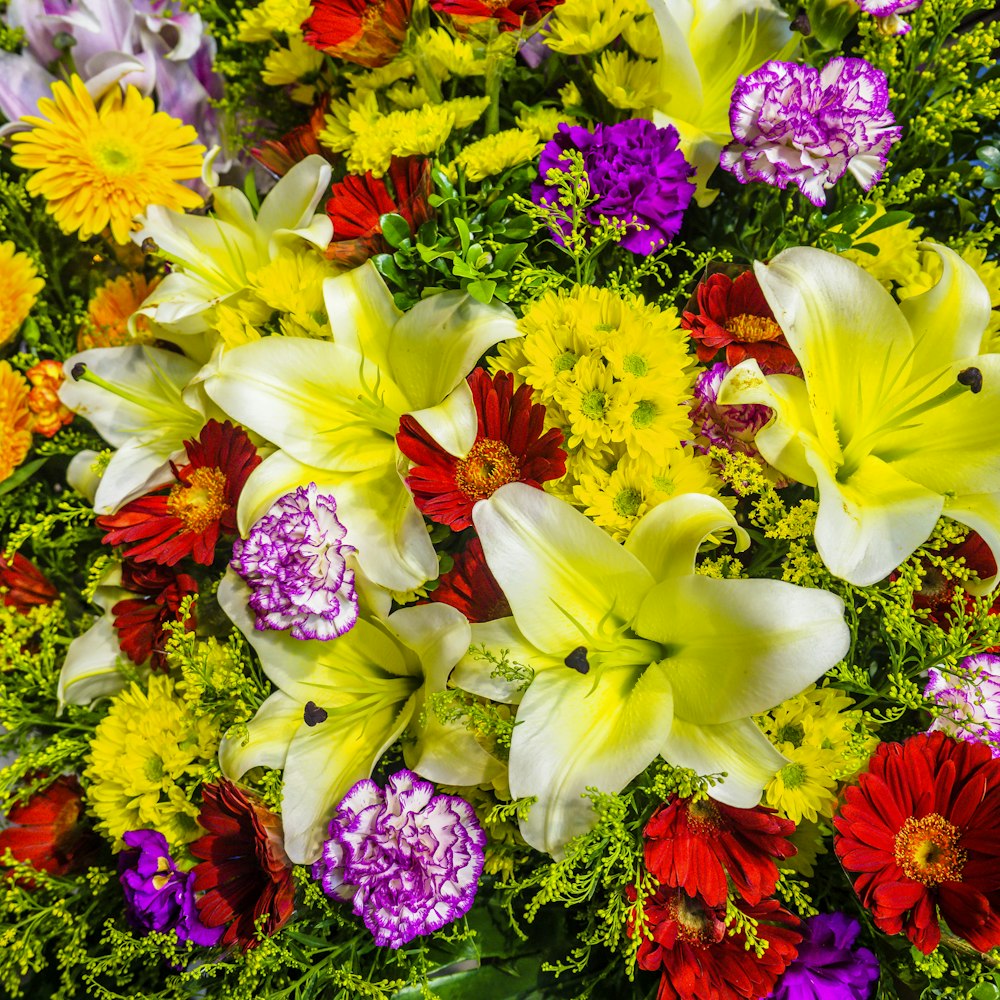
<point>896,419</point>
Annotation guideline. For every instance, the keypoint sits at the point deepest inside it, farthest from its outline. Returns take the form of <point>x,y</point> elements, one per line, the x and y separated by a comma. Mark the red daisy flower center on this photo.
<point>200,500</point>
<point>489,465</point>
<point>750,329</point>
<point>697,924</point>
<point>703,817</point>
<point>927,850</point>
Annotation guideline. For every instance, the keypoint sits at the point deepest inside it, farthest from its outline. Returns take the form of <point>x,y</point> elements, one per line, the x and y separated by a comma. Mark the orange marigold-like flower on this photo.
<point>48,415</point>
<point>367,32</point>
<point>15,420</point>
<point>19,287</point>
<point>110,309</point>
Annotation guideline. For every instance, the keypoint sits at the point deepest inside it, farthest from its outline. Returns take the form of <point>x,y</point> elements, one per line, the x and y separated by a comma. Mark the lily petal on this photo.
<point>454,423</point>
<point>90,669</point>
<point>361,309</point>
<point>269,733</point>
<point>291,203</point>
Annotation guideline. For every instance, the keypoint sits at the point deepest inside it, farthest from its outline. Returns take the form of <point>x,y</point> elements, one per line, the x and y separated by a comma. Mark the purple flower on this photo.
<point>295,563</point>
<point>409,859</point>
<point>158,896</point>
<point>729,427</point>
<point>636,172</point>
<point>795,123</point>
<point>886,13</point>
<point>829,966</point>
<point>972,698</point>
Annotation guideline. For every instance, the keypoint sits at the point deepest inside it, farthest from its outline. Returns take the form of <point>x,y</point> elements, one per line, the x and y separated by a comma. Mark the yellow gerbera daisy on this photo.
<point>19,287</point>
<point>101,166</point>
<point>15,420</point>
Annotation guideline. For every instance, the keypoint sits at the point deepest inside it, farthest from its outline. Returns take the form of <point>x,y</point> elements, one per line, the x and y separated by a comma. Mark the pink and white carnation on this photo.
<point>295,561</point>
<point>409,860</point>
<point>809,127</point>
<point>971,700</point>
<point>886,13</point>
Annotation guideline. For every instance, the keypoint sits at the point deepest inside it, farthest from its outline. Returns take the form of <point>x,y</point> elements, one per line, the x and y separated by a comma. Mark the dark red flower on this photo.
<point>48,831</point>
<point>510,448</point>
<point>22,585</point>
<point>701,961</point>
<point>357,204</point>
<point>510,14</point>
<point>922,826</point>
<point>735,315</point>
<point>139,620</point>
<point>244,872</point>
<point>695,845</point>
<point>280,155</point>
<point>471,587</point>
<point>185,519</point>
<point>367,32</point>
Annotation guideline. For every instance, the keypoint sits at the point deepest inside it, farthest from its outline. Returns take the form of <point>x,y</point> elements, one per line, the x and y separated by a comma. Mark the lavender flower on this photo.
<point>637,173</point>
<point>829,966</point>
<point>729,427</point>
<point>972,698</point>
<point>795,123</point>
<point>886,13</point>
<point>295,563</point>
<point>158,896</point>
<point>409,859</point>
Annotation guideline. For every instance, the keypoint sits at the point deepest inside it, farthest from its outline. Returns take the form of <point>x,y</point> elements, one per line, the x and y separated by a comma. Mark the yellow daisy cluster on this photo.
<point>273,17</point>
<point>825,742</point>
<point>449,56</point>
<point>19,288</point>
<point>147,759</point>
<point>580,27</point>
<point>369,137</point>
<point>543,122</point>
<point>293,66</point>
<point>494,154</point>
<point>627,83</point>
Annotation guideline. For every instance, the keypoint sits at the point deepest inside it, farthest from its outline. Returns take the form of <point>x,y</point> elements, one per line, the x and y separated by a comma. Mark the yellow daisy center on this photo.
<point>753,329</point>
<point>489,465</point>
<point>200,502</point>
<point>927,850</point>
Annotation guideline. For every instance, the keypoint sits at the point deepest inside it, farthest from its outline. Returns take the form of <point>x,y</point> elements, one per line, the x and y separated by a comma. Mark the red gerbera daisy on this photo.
<point>735,315</point>
<point>510,448</point>
<point>244,872</point>
<point>695,845</point>
<point>701,961</point>
<point>358,203</point>
<point>470,587</point>
<point>22,585</point>
<point>923,829</point>
<point>367,32</point>
<point>510,14</point>
<point>48,832</point>
<point>139,620</point>
<point>280,155</point>
<point>186,518</point>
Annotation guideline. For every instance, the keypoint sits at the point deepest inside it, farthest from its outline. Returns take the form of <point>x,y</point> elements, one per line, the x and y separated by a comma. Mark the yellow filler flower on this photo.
<point>102,166</point>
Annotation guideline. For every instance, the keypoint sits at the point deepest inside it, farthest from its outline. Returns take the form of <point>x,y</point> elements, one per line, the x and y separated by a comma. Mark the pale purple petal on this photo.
<point>970,697</point>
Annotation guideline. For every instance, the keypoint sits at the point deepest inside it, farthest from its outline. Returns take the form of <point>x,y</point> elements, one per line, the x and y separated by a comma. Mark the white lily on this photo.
<point>896,420</point>
<point>634,655</point>
<point>334,408</point>
<point>340,705</point>
<point>707,46</point>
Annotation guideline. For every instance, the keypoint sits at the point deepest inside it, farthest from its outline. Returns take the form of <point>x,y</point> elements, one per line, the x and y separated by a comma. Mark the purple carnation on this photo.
<point>795,123</point>
<point>972,698</point>
<point>729,427</point>
<point>158,896</point>
<point>636,172</point>
<point>294,560</point>
<point>409,859</point>
<point>829,966</point>
<point>887,12</point>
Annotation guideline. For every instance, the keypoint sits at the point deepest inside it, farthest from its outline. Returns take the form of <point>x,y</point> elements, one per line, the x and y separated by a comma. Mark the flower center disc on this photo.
<point>753,329</point>
<point>696,924</point>
<point>489,465</point>
<point>927,850</point>
<point>200,501</point>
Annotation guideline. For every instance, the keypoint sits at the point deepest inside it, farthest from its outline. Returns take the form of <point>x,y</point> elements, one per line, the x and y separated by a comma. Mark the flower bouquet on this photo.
<point>499,499</point>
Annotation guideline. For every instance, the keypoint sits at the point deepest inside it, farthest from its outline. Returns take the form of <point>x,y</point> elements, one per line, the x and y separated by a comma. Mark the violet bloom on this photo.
<point>158,896</point>
<point>294,560</point>
<point>795,123</point>
<point>636,172</point>
<point>829,965</point>
<point>971,697</point>
<point>409,860</point>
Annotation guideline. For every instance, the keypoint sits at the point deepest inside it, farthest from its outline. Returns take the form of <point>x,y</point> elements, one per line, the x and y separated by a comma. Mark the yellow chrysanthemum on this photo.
<point>299,61</point>
<point>108,313</point>
<point>232,327</point>
<point>596,405</point>
<point>805,787</point>
<point>99,167</point>
<point>19,288</point>
<point>570,96</point>
<point>632,84</point>
<point>15,420</point>
<point>147,758</point>
<point>407,96</point>
<point>271,17</point>
<point>579,27</point>
<point>898,261</point>
<point>496,153</point>
<point>293,281</point>
<point>641,34</point>
<point>543,122</point>
<point>449,56</point>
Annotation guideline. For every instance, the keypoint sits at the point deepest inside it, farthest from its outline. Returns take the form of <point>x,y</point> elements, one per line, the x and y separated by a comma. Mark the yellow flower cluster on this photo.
<point>580,27</point>
<point>288,66</point>
<point>273,17</point>
<point>627,83</point>
<point>147,758</point>
<point>496,153</point>
<point>896,264</point>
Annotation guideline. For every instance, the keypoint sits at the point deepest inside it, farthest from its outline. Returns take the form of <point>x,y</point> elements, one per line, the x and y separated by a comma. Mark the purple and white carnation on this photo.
<point>886,13</point>
<point>829,965</point>
<point>409,860</point>
<point>158,896</point>
<point>635,170</point>
<point>971,699</point>
<point>295,562</point>
<point>729,427</point>
<point>796,123</point>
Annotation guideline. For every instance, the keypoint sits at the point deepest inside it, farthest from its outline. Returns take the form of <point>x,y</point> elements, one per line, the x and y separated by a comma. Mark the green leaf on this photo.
<point>464,235</point>
<point>990,155</point>
<point>21,475</point>
<point>885,221</point>
<point>250,190</point>
<point>388,268</point>
<point>518,980</point>
<point>482,291</point>
<point>991,180</point>
<point>985,991</point>
<point>506,256</point>
<point>519,228</point>
<point>840,241</point>
<point>870,248</point>
<point>395,229</point>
